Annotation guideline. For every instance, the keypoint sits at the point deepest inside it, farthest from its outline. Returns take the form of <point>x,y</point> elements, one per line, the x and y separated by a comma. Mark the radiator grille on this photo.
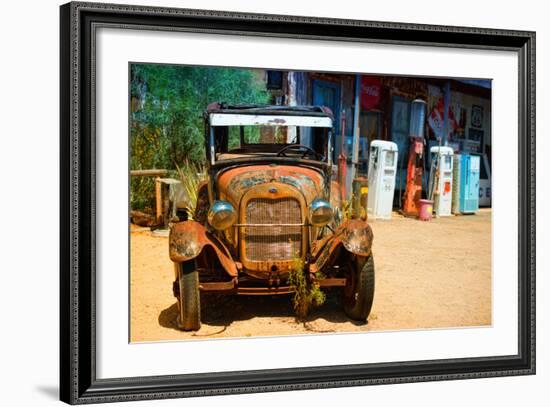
<point>273,242</point>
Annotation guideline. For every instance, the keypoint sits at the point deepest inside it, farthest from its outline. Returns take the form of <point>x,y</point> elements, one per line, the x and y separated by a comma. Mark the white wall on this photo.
<point>29,163</point>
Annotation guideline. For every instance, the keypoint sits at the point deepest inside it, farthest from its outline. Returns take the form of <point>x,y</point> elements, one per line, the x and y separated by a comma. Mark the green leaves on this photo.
<point>167,103</point>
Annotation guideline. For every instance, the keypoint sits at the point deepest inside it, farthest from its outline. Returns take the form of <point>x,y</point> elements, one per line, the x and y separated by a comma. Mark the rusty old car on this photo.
<point>268,199</point>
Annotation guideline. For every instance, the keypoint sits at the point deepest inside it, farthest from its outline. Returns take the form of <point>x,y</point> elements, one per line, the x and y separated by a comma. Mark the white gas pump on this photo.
<point>382,170</point>
<point>441,179</point>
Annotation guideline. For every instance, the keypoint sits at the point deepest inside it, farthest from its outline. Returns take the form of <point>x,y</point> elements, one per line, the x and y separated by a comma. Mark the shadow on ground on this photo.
<point>223,310</point>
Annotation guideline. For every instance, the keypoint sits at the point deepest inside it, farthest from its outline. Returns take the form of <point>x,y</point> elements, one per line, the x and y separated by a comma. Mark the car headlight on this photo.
<point>320,212</point>
<point>222,215</point>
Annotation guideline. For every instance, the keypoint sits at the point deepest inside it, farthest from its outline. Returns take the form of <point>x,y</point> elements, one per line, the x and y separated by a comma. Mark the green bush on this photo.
<point>167,103</point>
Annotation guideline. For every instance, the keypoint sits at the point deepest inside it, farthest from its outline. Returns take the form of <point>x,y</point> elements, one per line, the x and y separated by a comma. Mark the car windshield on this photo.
<point>310,143</point>
<point>241,136</point>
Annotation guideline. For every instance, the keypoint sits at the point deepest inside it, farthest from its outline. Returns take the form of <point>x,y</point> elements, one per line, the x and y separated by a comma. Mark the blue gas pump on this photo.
<point>466,183</point>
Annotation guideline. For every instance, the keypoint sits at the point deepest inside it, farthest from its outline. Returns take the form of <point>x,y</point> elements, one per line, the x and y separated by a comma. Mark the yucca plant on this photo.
<point>191,175</point>
<point>347,209</point>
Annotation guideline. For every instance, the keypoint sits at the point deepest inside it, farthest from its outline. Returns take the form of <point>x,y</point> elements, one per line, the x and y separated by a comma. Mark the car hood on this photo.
<point>235,182</point>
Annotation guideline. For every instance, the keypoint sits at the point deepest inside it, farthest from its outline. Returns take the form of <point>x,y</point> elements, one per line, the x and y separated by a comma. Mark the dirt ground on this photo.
<point>428,275</point>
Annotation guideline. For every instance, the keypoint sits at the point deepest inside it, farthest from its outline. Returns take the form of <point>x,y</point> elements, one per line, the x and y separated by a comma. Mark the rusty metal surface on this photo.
<point>276,240</point>
<point>235,182</point>
<point>203,204</point>
<point>218,286</point>
<point>355,235</point>
<point>222,107</point>
<point>332,282</point>
<point>270,203</point>
<point>239,185</point>
<point>188,239</point>
<point>264,290</point>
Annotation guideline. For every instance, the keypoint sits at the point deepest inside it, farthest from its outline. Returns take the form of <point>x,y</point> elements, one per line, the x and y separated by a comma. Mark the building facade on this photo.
<point>378,107</point>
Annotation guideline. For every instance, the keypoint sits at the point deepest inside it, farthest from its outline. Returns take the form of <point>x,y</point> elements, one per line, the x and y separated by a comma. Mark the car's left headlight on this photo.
<point>320,212</point>
<point>222,215</point>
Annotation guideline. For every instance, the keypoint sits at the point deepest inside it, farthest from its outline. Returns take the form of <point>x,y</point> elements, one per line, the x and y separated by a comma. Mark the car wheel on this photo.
<point>359,289</point>
<point>189,318</point>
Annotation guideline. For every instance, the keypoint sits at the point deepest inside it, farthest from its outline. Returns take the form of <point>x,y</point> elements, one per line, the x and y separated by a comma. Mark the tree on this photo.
<point>166,120</point>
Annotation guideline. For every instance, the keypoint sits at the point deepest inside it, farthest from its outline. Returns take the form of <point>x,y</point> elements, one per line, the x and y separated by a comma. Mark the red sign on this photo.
<point>370,92</point>
<point>436,120</point>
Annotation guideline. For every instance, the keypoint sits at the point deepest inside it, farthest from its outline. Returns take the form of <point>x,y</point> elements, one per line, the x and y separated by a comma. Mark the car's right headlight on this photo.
<point>222,215</point>
<point>320,212</point>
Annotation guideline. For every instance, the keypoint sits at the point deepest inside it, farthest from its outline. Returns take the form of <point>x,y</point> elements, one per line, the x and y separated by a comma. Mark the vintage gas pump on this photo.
<point>382,170</point>
<point>415,165</point>
<point>466,184</point>
<point>441,180</point>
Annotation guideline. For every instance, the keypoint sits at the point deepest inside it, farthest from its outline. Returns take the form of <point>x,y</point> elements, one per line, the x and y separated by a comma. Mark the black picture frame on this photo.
<point>78,382</point>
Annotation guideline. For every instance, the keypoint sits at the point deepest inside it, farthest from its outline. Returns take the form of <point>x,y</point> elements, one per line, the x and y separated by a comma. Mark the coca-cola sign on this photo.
<point>370,92</point>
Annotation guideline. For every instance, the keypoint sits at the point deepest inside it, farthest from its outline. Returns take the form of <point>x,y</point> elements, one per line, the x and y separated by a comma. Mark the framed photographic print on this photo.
<point>255,203</point>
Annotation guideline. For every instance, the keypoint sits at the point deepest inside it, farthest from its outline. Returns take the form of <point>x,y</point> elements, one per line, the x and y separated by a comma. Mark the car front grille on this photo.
<point>276,231</point>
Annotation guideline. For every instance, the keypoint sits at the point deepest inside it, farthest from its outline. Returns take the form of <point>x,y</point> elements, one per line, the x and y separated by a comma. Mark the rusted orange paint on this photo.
<point>355,235</point>
<point>235,182</point>
<point>188,239</point>
<point>272,190</point>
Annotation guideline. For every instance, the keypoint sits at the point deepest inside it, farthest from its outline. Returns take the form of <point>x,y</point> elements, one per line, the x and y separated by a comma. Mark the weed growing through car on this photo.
<point>305,294</point>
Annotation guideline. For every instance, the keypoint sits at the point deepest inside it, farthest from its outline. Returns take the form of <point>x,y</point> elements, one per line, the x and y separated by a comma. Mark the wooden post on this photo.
<point>158,196</point>
<point>149,173</point>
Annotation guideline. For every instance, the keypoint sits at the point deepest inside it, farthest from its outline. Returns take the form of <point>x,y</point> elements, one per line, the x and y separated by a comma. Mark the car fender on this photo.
<point>188,239</point>
<point>353,235</point>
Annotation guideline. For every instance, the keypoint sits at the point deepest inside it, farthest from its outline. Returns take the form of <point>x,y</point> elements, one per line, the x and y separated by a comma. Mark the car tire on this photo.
<point>189,318</point>
<point>359,291</point>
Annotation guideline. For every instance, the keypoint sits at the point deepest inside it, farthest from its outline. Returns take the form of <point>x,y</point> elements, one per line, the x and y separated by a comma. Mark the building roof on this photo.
<point>483,83</point>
